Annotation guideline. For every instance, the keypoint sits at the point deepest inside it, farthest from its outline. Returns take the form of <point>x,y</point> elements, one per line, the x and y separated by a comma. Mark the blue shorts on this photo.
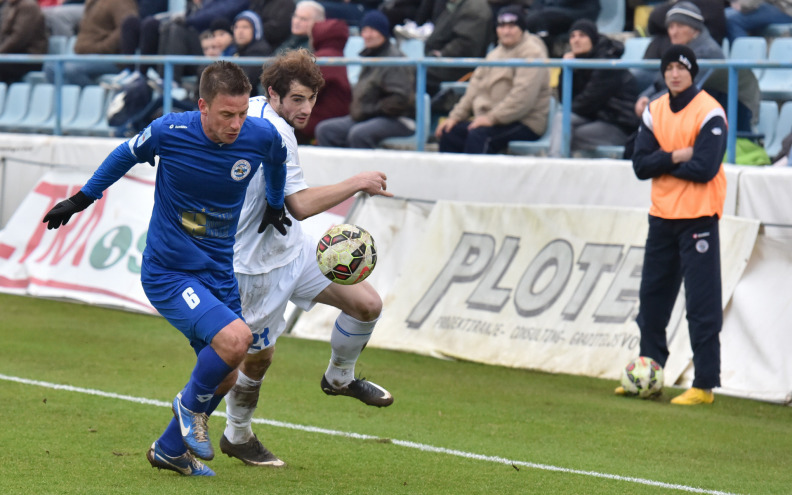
<point>198,304</point>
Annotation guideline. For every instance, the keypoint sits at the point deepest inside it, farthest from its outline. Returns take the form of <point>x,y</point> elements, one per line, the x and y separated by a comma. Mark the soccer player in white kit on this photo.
<point>274,269</point>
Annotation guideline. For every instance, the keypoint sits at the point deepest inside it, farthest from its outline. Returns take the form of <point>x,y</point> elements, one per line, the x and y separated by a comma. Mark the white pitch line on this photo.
<point>360,436</point>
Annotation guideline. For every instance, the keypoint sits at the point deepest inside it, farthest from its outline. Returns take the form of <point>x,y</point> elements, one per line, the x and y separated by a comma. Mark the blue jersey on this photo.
<point>200,186</point>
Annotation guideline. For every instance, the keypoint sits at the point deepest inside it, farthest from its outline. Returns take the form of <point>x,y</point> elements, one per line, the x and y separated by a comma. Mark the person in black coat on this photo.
<point>602,99</point>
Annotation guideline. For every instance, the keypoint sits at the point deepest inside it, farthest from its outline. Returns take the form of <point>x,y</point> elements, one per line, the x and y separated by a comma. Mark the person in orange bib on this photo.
<point>680,146</point>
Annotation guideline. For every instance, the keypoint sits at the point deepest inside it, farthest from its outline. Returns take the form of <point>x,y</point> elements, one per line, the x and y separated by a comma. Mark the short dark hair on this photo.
<point>293,65</point>
<point>223,77</point>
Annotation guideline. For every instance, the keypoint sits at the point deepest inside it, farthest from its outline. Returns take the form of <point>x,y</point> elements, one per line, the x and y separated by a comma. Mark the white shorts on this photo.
<point>265,296</point>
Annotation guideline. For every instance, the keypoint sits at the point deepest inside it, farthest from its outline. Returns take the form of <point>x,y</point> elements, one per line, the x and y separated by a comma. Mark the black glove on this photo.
<point>62,212</point>
<point>275,217</point>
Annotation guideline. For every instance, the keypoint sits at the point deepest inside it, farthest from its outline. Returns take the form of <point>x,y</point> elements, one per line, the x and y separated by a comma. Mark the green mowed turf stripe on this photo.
<point>358,436</point>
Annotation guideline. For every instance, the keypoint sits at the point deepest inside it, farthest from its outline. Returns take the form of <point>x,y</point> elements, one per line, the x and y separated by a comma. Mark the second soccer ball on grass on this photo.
<point>643,376</point>
<point>346,254</point>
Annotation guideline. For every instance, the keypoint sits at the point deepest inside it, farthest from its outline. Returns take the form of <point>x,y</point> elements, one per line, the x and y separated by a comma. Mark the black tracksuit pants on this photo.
<point>686,249</point>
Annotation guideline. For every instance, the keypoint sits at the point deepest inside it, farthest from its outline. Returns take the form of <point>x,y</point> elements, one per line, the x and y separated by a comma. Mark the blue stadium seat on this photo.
<point>16,107</point>
<point>3,90</point>
<point>70,97</point>
<point>57,44</point>
<point>90,111</point>
<point>634,48</point>
<point>775,83</point>
<point>749,48</point>
<point>541,145</point>
<point>177,6</point>
<point>412,48</point>
<point>42,98</point>
<point>409,142</point>
<point>352,49</point>
<point>782,129</point>
<point>611,16</point>
<point>768,120</point>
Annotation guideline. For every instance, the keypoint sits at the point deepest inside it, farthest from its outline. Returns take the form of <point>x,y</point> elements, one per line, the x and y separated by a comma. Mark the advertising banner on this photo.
<point>95,258</point>
<point>548,288</point>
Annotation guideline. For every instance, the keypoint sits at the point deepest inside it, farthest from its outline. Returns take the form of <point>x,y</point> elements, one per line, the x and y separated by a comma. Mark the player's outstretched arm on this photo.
<point>315,200</point>
<point>63,211</point>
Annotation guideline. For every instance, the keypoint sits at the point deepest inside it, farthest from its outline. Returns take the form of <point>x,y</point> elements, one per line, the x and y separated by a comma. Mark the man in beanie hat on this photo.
<point>551,19</point>
<point>462,29</point>
<point>602,99</point>
<point>223,35</point>
<point>249,42</point>
<point>685,27</point>
<point>506,104</point>
<point>680,146</point>
<point>383,99</point>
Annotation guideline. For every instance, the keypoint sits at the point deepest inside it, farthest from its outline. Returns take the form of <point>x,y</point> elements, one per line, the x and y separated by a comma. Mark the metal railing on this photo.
<point>420,64</point>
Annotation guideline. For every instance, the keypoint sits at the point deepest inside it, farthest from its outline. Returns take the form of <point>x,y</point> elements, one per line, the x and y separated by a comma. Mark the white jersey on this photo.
<point>256,253</point>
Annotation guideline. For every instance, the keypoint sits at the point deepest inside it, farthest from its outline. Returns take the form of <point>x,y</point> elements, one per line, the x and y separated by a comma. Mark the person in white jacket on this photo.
<point>273,269</point>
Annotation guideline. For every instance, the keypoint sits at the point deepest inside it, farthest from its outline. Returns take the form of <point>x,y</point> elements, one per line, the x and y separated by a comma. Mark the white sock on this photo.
<point>347,340</point>
<point>241,402</point>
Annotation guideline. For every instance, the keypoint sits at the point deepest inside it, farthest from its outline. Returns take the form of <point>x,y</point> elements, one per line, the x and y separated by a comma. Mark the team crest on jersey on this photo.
<point>702,246</point>
<point>240,170</point>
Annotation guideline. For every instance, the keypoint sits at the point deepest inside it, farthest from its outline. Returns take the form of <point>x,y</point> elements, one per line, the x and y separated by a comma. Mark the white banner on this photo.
<point>549,288</point>
<point>96,257</point>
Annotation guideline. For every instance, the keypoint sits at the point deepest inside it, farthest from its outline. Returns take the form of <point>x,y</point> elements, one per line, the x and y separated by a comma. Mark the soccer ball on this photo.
<point>346,254</point>
<point>643,376</point>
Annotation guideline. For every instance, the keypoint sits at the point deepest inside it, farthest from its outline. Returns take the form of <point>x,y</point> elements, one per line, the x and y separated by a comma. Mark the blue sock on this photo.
<point>208,374</point>
<point>214,403</point>
<point>171,440</point>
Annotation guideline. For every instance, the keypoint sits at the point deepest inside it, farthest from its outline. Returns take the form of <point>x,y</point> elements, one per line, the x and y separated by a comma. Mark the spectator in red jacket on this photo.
<point>327,40</point>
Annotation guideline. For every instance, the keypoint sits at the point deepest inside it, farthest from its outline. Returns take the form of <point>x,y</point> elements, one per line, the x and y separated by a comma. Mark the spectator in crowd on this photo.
<point>224,35</point>
<point>21,31</point>
<point>351,11</point>
<point>139,32</point>
<point>680,146</point>
<point>63,18</point>
<point>506,103</point>
<point>327,40</point>
<point>551,19</point>
<point>100,33</point>
<point>249,42</point>
<point>462,29</point>
<point>751,17</point>
<point>275,19</point>
<point>602,99</point>
<point>711,11</point>
<point>306,14</point>
<point>179,33</point>
<point>209,44</point>
<point>685,26</point>
<point>382,100</point>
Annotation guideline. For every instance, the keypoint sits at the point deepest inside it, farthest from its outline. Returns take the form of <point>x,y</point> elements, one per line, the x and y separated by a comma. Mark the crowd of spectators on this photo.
<point>496,105</point>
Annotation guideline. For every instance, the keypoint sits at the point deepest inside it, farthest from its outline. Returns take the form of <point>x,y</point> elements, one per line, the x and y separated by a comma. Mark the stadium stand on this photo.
<point>352,49</point>
<point>90,111</point>
<point>749,48</point>
<point>16,107</point>
<point>541,145</point>
<point>782,129</point>
<point>410,142</point>
<point>774,83</point>
<point>70,96</point>
<point>42,99</point>
<point>768,120</point>
<point>634,48</point>
<point>412,48</point>
<point>611,16</point>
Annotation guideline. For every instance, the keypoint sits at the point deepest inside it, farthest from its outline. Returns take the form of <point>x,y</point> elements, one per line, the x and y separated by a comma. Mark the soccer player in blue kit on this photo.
<point>206,160</point>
